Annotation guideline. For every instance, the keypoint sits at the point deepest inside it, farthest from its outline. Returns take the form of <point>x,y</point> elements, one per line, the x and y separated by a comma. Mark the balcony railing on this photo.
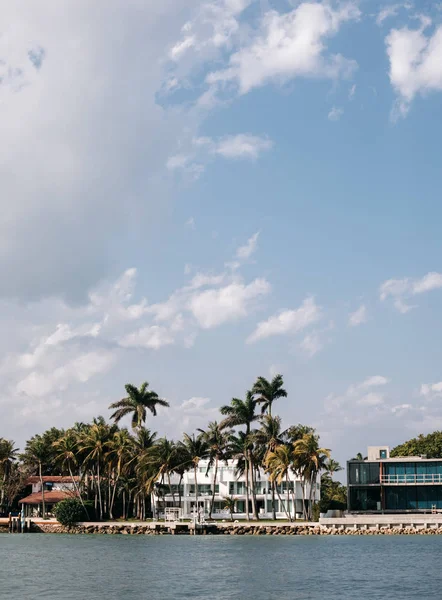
<point>409,479</point>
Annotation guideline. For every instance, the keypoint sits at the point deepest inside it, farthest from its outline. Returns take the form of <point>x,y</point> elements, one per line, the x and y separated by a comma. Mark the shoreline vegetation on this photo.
<point>116,471</point>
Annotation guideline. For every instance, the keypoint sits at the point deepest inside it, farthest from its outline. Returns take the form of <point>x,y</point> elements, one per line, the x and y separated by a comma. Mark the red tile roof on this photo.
<point>50,497</point>
<point>51,479</point>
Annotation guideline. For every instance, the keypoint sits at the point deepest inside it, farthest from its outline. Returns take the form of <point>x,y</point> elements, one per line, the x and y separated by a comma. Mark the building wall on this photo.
<point>228,484</point>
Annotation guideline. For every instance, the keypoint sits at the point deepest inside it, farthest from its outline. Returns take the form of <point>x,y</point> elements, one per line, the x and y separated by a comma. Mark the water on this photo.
<point>65,567</point>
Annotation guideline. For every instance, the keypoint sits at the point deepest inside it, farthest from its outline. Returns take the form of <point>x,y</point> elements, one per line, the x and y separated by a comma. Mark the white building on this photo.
<point>229,485</point>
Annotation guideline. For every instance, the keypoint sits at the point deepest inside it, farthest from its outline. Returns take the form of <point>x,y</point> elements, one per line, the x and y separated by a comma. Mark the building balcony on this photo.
<point>412,479</point>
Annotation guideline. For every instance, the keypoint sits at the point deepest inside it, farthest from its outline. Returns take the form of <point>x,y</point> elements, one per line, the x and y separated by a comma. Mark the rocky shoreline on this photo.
<point>233,529</point>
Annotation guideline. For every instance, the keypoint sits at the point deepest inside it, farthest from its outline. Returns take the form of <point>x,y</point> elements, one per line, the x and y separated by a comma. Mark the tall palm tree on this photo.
<point>269,391</point>
<point>93,444</point>
<point>309,461</point>
<point>278,464</point>
<point>197,449</point>
<point>120,454</point>
<point>217,440</point>
<point>137,402</point>
<point>239,445</point>
<point>37,455</point>
<point>237,413</point>
<point>332,466</point>
<point>268,438</point>
<point>66,449</point>
<point>8,455</point>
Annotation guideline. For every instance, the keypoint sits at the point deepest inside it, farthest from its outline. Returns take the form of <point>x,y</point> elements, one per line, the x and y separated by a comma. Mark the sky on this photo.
<point>198,194</point>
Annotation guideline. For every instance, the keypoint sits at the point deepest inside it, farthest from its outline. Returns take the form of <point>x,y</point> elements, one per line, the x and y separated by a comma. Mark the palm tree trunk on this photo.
<point>42,491</point>
<point>288,495</point>
<point>172,493</point>
<point>247,489</point>
<point>195,472</point>
<point>273,501</point>
<point>252,479</point>
<point>281,501</point>
<point>303,500</point>
<point>112,500</point>
<point>179,490</point>
<point>77,489</point>
<point>213,488</point>
<point>99,490</point>
<point>124,504</point>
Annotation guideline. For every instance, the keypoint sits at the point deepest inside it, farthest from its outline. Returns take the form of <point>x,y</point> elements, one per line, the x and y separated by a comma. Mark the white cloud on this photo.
<point>352,92</point>
<point>288,45</point>
<point>351,407</point>
<point>374,381</point>
<point>201,150</point>
<point>214,307</point>
<point>387,12</point>
<point>335,113</point>
<point>311,344</point>
<point>288,321</point>
<point>56,120</point>
<point>415,65</point>
<point>246,251</point>
<point>402,289</point>
<point>153,336</point>
<point>431,390</point>
<point>190,223</point>
<point>358,317</point>
<point>242,146</point>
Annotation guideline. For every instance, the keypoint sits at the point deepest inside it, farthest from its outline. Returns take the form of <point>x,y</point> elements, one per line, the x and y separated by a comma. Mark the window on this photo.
<point>383,454</point>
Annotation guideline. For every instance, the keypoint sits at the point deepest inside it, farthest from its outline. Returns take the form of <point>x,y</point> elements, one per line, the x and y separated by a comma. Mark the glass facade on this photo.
<point>365,498</point>
<point>364,473</point>
<point>403,486</point>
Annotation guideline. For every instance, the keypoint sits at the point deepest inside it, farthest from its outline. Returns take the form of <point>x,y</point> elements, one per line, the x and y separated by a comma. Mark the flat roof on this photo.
<point>398,459</point>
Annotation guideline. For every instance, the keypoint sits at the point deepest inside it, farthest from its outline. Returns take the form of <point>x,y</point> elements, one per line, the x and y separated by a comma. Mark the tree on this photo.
<point>359,456</point>
<point>278,464</point>
<point>269,391</point>
<point>66,455</point>
<point>8,455</point>
<point>242,412</point>
<point>37,453</point>
<point>137,402</point>
<point>217,440</point>
<point>332,466</point>
<point>268,438</point>
<point>423,445</point>
<point>69,512</point>
<point>309,461</point>
<point>197,449</point>
<point>229,504</point>
<point>120,454</point>
<point>93,443</point>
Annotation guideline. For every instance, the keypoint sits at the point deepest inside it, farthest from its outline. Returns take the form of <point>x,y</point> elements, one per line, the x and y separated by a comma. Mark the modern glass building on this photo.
<point>380,484</point>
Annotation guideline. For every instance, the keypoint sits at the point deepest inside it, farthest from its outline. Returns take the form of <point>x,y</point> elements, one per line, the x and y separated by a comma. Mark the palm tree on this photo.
<point>239,445</point>
<point>217,440</point>
<point>278,464</point>
<point>269,437</point>
<point>268,391</point>
<point>66,455</point>
<point>242,412</point>
<point>37,455</point>
<point>309,460</point>
<point>121,454</point>
<point>332,466</point>
<point>359,456</point>
<point>229,504</point>
<point>136,403</point>
<point>93,444</point>
<point>197,449</point>
<point>8,454</point>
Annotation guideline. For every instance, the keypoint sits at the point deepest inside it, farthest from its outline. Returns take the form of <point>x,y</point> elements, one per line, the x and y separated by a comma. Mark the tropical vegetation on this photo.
<point>115,469</point>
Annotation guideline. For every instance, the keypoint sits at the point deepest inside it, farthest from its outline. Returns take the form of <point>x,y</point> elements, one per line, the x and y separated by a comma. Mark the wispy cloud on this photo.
<point>402,290</point>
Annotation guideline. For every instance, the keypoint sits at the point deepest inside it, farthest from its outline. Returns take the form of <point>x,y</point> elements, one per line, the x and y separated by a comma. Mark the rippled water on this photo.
<point>98,567</point>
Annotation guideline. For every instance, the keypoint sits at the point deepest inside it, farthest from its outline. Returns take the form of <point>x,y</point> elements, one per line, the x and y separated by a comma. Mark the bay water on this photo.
<point>98,567</point>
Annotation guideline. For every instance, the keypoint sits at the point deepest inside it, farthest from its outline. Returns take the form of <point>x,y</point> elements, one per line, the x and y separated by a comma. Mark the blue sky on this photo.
<point>234,189</point>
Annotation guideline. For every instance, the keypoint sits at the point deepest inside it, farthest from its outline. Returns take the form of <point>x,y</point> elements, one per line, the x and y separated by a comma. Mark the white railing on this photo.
<point>409,479</point>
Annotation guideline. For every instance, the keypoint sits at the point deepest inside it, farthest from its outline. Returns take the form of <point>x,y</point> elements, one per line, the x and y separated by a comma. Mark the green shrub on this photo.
<point>69,512</point>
